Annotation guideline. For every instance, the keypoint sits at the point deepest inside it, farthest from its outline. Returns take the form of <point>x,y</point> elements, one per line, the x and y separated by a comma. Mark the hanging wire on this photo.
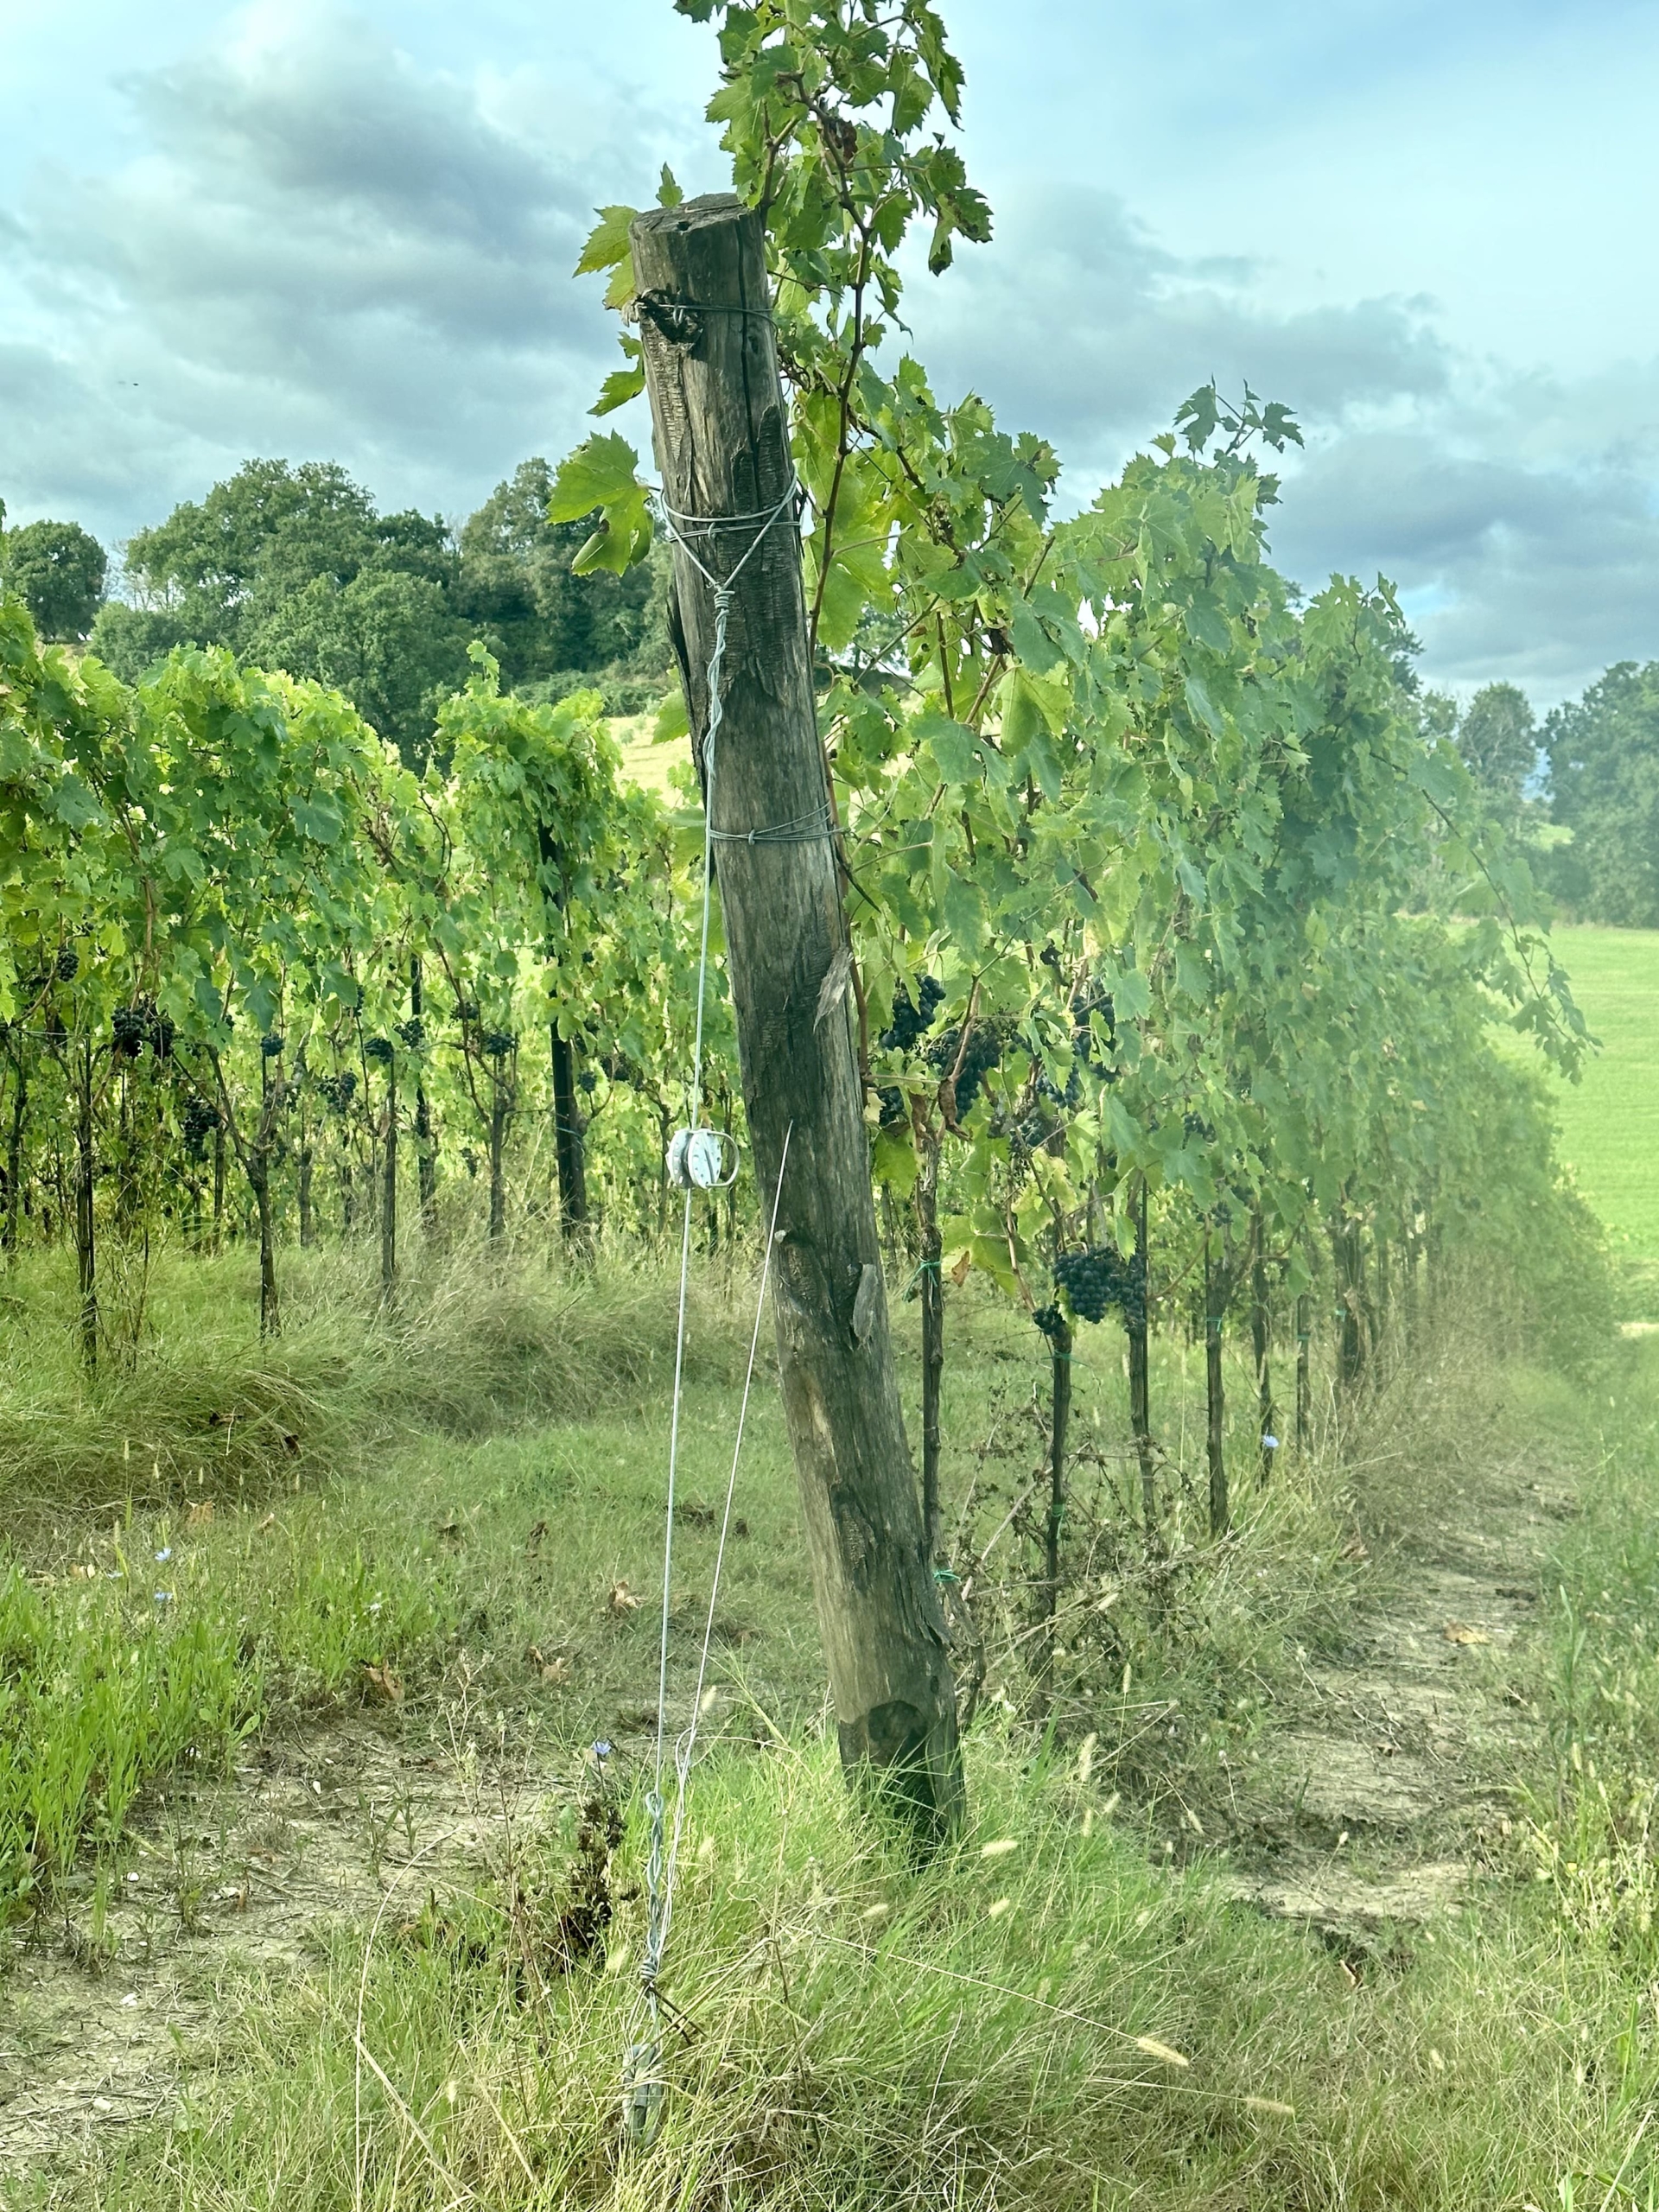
<point>642,2075</point>
<point>642,2081</point>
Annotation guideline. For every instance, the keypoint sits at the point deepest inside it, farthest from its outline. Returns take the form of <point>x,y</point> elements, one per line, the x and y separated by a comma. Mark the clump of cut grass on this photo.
<point>1591,1835</point>
<point>475,1346</point>
<point>159,1647</point>
<point>100,1689</point>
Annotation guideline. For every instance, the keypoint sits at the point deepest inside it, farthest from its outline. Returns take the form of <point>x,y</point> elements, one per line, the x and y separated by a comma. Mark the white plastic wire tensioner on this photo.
<point>702,1159</point>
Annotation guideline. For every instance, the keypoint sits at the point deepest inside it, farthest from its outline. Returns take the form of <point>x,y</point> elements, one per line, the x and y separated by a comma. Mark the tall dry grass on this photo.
<point>477,1339</point>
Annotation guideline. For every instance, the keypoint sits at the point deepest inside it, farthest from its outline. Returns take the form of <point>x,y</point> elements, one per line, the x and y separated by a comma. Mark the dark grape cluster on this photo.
<point>271,1044</point>
<point>199,1121</point>
<point>338,1090</point>
<point>379,1048</point>
<point>984,1051</point>
<point>1047,1088</point>
<point>895,1112</point>
<point>498,1043</point>
<point>1033,1131</point>
<point>1094,1281</point>
<point>588,1082</point>
<point>911,1021</point>
<point>68,965</point>
<point>411,1033</point>
<point>1083,1035</point>
<point>1049,1319</point>
<point>466,1010</point>
<point>132,1028</point>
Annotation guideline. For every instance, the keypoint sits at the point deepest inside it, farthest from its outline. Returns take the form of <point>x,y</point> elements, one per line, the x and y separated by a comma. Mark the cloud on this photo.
<point>322,249</point>
<point>1540,572</point>
<point>1517,513</point>
<point>1080,325</point>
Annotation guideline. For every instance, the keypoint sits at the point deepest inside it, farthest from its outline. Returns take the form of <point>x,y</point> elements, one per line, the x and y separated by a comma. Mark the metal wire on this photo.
<point>642,2066</point>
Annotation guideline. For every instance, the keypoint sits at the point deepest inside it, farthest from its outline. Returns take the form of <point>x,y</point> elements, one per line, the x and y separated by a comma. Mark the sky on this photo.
<point>319,230</point>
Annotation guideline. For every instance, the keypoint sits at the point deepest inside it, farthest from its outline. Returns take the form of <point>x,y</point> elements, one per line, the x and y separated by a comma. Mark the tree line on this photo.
<point>295,568</point>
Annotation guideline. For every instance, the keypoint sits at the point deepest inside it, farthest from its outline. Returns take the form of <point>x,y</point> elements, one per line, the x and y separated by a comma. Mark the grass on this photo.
<point>647,763</point>
<point>1610,1122</point>
<point>368,1497</point>
<point>1067,2011</point>
<point>473,1347</point>
<point>1053,2015</point>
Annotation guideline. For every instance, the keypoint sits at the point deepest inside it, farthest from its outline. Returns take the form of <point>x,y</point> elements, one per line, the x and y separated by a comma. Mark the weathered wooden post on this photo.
<point>718,411</point>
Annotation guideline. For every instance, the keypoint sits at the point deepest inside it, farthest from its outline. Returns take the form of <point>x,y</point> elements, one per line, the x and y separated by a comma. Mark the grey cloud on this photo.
<point>322,250</point>
<point>1541,574</point>
<point>1517,515</point>
<point>1079,324</point>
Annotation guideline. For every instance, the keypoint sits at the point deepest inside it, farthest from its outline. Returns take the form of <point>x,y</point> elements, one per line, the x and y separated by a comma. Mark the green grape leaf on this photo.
<point>607,242</point>
<point>893,1161</point>
<point>619,388</point>
<point>672,720</point>
<point>318,819</point>
<point>1203,707</point>
<point>600,473</point>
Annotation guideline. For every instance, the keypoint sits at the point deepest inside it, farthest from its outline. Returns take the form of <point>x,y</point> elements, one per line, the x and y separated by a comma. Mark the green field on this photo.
<point>1610,1120</point>
<point>645,761</point>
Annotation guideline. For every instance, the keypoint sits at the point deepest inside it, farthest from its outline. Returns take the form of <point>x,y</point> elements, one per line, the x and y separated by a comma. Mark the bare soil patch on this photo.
<point>105,2015</point>
<point>1392,1782</point>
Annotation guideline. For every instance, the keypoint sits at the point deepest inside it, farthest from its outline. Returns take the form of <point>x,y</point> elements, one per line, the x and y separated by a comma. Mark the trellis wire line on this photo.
<point>685,1747</point>
<point>800,829</point>
<point>678,525</point>
<point>642,2083</point>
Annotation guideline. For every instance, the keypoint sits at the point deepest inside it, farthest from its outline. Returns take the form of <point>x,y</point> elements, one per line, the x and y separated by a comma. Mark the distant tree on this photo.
<point>291,567</point>
<point>1437,715</point>
<point>1604,777</point>
<point>541,620</point>
<point>131,640</point>
<point>389,639</point>
<point>217,566</point>
<point>1498,739</point>
<point>58,568</point>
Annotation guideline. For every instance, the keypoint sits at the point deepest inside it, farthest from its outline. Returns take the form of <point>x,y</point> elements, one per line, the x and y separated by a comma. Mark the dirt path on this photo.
<point>1391,1782</point>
